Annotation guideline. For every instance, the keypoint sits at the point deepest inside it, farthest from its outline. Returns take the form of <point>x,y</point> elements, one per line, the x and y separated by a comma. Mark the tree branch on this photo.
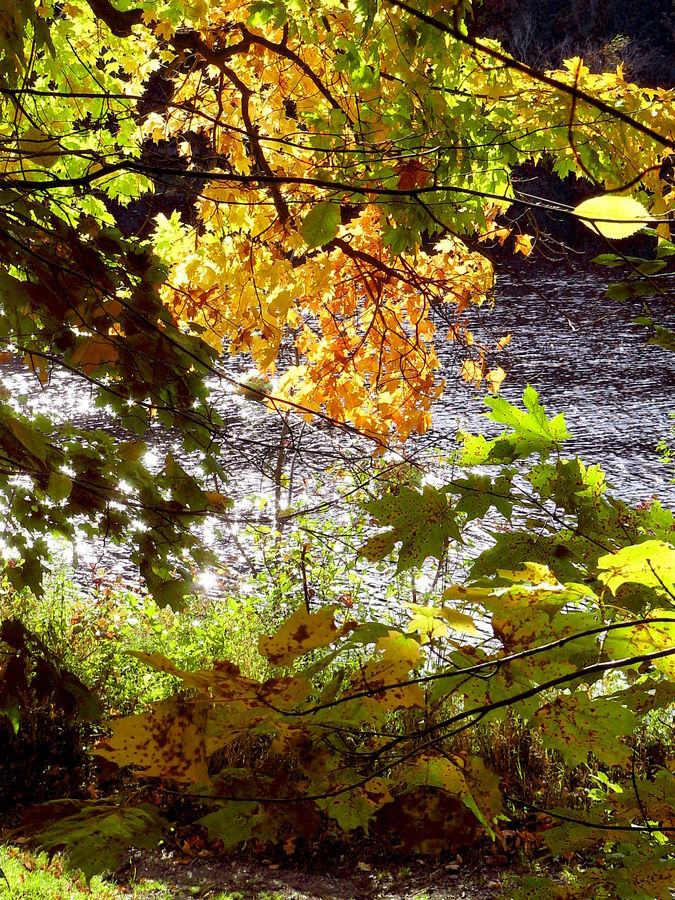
<point>119,22</point>
<point>535,74</point>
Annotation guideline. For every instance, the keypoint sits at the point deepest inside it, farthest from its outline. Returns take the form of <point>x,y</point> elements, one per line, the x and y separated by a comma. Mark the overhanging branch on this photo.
<point>535,74</point>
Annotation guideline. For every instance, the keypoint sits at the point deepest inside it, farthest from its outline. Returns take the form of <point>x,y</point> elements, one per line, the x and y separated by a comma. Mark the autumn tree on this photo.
<point>344,170</point>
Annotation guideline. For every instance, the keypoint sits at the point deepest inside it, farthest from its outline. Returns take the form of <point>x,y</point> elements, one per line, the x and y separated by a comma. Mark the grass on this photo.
<point>37,877</point>
<point>34,876</point>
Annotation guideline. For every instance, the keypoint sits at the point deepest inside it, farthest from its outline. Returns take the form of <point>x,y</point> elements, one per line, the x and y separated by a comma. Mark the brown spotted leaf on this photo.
<point>227,723</point>
<point>645,638</point>
<point>422,522</point>
<point>224,681</point>
<point>655,793</point>
<point>384,677</point>
<point>576,725</point>
<point>436,771</point>
<point>168,742</point>
<point>237,821</point>
<point>427,820</point>
<point>483,796</point>
<point>357,807</point>
<point>651,563</point>
<point>302,632</point>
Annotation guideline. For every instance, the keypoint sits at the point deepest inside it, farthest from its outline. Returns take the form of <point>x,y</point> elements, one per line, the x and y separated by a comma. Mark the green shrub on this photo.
<point>91,634</point>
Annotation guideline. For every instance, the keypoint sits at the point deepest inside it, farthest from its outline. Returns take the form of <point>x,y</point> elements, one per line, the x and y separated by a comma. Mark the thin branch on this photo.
<point>536,74</point>
<point>584,822</point>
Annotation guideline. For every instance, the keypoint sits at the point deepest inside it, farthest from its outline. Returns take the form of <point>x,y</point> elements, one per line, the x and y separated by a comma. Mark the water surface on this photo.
<point>579,350</point>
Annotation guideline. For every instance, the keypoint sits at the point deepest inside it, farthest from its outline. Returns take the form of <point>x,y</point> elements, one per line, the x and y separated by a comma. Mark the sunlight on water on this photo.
<point>616,392</point>
<point>208,580</point>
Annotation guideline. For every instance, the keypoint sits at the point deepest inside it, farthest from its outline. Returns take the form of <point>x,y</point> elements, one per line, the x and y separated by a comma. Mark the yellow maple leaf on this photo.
<point>458,621</point>
<point>523,244</point>
<point>400,649</point>
<point>167,742</point>
<point>472,372</point>
<point>302,632</point>
<point>499,234</point>
<point>494,379</point>
<point>426,622</point>
<point>163,30</point>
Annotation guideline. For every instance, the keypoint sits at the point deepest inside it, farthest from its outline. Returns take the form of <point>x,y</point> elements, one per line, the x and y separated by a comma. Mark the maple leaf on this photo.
<point>422,523</point>
<point>94,353</point>
<point>412,174</point>
<point>320,225</point>
<point>358,807</point>
<point>164,30</point>
<point>651,563</point>
<point>302,632</point>
<point>523,244</point>
<point>96,834</point>
<point>531,431</point>
<point>168,742</point>
<point>494,379</point>
<point>472,372</point>
<point>576,725</point>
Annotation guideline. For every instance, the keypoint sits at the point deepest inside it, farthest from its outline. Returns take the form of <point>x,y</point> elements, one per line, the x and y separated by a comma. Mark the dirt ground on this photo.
<point>420,878</point>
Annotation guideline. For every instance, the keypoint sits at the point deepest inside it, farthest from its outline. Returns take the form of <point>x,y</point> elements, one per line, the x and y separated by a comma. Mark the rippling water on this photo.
<point>580,351</point>
<point>586,358</point>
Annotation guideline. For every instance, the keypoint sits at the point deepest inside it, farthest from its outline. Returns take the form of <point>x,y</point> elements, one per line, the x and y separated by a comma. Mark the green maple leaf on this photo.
<point>357,807</point>
<point>422,523</point>
<point>236,822</point>
<point>531,432</point>
<point>479,492</point>
<point>578,724</point>
<point>563,165</point>
<point>321,223</point>
<point>94,834</point>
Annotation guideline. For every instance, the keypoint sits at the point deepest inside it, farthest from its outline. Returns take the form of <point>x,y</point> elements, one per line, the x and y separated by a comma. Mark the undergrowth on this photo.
<point>89,635</point>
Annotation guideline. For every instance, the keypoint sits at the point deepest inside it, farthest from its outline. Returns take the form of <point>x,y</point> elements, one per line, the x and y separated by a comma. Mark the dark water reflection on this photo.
<point>586,358</point>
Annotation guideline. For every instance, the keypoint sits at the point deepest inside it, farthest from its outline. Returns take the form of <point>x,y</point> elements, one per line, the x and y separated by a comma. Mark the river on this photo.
<point>578,349</point>
<point>587,358</point>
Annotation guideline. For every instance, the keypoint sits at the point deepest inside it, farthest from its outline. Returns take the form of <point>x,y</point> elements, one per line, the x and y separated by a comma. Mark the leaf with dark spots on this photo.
<point>168,742</point>
<point>576,725</point>
<point>301,635</point>
<point>302,632</point>
<point>421,522</point>
<point>427,820</point>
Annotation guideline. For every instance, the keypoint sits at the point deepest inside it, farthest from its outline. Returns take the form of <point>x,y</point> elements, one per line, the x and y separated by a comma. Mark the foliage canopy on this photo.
<point>335,178</point>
